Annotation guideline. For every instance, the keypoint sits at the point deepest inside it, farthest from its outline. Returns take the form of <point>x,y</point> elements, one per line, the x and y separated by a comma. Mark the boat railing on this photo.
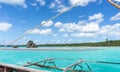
<point>14,68</point>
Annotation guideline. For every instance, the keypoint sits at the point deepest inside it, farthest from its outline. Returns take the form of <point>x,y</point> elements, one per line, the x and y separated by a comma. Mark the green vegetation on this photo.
<point>104,43</point>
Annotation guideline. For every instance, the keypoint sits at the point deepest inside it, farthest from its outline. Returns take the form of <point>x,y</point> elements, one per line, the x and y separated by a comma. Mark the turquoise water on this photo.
<point>110,54</point>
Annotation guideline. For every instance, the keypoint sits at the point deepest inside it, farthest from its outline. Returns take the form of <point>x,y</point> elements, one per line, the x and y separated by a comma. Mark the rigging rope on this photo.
<point>114,4</point>
<point>102,62</point>
<point>25,34</point>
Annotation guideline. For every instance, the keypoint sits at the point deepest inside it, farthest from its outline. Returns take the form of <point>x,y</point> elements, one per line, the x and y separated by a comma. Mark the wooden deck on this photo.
<point>13,68</point>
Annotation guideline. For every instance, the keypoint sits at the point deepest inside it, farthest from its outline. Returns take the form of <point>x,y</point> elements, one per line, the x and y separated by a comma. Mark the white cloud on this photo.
<point>81,16</point>
<point>61,30</point>
<point>110,30</point>
<point>58,24</point>
<point>58,6</point>
<point>82,23</point>
<point>4,26</point>
<point>117,0</point>
<point>104,31</point>
<point>116,17</point>
<point>36,31</point>
<point>71,27</point>
<point>81,2</point>
<point>47,24</point>
<point>46,31</point>
<point>100,1</point>
<point>54,35</point>
<point>56,41</point>
<point>61,8</point>
<point>41,2</point>
<point>83,35</point>
<point>97,18</point>
<point>69,40</point>
<point>91,27</point>
<point>58,1</point>
<point>23,21</point>
<point>15,2</point>
<point>65,35</point>
<point>52,5</point>
<point>88,27</point>
<point>42,32</point>
<point>34,4</point>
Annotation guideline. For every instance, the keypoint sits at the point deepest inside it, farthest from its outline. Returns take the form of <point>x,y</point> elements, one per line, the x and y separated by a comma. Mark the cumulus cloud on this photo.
<point>15,2</point>
<point>100,1</point>
<point>81,2</point>
<point>54,35</point>
<point>91,27</point>
<point>97,18</point>
<point>58,24</point>
<point>41,2</point>
<point>52,5</point>
<point>61,30</point>
<point>42,32</point>
<point>110,30</point>
<point>58,6</point>
<point>88,27</point>
<point>4,26</point>
<point>69,40</point>
<point>47,24</point>
<point>115,17</point>
<point>82,34</point>
<point>46,31</point>
<point>71,27</point>
<point>117,0</point>
<point>65,35</point>
<point>81,16</point>
<point>34,4</point>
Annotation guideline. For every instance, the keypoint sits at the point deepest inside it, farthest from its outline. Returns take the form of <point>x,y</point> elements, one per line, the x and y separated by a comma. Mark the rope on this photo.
<point>103,62</point>
<point>25,34</point>
<point>47,59</point>
<point>114,4</point>
<point>76,63</point>
<point>62,59</point>
<point>89,67</point>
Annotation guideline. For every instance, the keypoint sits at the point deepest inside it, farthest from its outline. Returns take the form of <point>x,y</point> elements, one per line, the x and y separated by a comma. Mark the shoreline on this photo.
<point>51,49</point>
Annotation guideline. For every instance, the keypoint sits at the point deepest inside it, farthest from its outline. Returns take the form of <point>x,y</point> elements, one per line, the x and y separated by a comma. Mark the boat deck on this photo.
<point>13,68</point>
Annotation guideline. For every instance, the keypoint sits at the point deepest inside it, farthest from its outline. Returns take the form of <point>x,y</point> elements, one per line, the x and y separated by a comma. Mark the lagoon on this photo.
<point>22,55</point>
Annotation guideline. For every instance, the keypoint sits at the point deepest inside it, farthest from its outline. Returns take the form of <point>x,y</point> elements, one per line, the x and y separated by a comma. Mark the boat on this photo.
<point>50,61</point>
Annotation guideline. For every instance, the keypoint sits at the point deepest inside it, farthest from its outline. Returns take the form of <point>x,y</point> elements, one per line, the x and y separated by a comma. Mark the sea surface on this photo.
<point>65,58</point>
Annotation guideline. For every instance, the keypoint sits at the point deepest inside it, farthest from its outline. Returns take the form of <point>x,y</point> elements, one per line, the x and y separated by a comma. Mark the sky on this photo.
<point>89,21</point>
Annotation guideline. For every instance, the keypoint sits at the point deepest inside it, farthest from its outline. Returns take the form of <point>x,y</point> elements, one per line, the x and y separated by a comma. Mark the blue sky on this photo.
<point>90,21</point>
